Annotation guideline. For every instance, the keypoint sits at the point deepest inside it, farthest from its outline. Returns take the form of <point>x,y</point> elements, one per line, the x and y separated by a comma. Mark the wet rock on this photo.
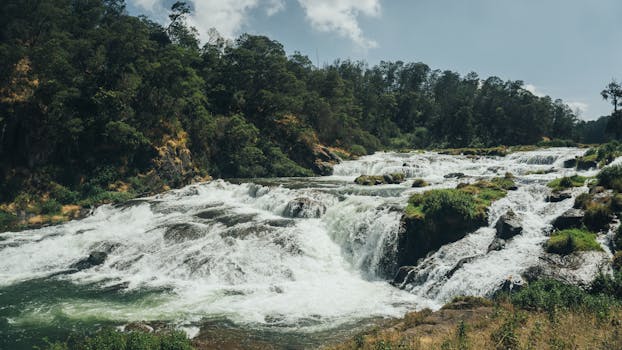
<point>533,273</point>
<point>558,196</point>
<point>387,179</point>
<point>235,219</point>
<point>94,259</point>
<point>304,207</point>
<point>324,161</point>
<point>138,327</point>
<point>454,176</point>
<point>402,274</point>
<point>183,232</point>
<point>508,225</point>
<point>419,183</point>
<point>496,244</point>
<point>459,265</point>
<point>583,164</point>
<point>512,284</point>
<point>570,163</point>
<point>572,218</point>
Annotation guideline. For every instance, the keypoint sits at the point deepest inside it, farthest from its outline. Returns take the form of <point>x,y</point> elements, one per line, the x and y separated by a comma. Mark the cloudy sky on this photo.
<point>567,49</point>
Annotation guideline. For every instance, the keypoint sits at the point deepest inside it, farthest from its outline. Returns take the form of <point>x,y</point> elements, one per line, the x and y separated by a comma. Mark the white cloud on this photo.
<point>229,17</point>
<point>274,7</point>
<point>341,16</point>
<point>578,107</point>
<point>534,90</point>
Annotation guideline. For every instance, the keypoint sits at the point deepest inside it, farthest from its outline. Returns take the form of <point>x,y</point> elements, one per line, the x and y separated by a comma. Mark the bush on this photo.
<point>557,143</point>
<point>582,201</point>
<point>50,207</point>
<point>550,295</point>
<point>568,241</point>
<point>113,340</point>
<point>445,204</point>
<point>64,195</point>
<point>567,182</point>
<point>597,217</point>
<point>7,220</point>
<point>358,150</point>
<point>611,177</point>
<point>617,261</point>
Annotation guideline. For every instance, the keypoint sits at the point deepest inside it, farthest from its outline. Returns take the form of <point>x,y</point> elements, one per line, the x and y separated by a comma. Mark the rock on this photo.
<point>558,196</point>
<point>570,163</point>
<point>402,275</point>
<point>512,284</point>
<point>454,175</point>
<point>325,159</point>
<point>583,164</point>
<point>183,232</point>
<point>508,225</point>
<point>419,183</point>
<point>533,273</point>
<point>496,244</point>
<point>94,259</point>
<point>138,327</point>
<point>304,207</point>
<point>371,180</point>
<point>572,218</point>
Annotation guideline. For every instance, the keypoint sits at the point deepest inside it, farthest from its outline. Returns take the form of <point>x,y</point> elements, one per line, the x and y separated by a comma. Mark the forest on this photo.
<point>90,96</point>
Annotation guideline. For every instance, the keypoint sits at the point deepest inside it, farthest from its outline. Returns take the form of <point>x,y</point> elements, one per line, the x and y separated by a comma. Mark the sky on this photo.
<point>568,49</point>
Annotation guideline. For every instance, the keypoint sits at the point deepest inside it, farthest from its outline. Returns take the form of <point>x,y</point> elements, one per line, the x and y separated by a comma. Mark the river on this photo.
<point>245,255</point>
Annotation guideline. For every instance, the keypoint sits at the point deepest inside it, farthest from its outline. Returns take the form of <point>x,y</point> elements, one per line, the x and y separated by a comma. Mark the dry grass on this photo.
<point>498,327</point>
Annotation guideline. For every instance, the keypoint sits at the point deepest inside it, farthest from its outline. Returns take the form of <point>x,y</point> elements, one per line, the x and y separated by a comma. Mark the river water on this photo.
<point>293,259</point>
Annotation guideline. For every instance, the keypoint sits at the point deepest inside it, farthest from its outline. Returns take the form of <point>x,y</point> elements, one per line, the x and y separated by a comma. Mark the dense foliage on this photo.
<point>88,91</point>
<point>110,339</point>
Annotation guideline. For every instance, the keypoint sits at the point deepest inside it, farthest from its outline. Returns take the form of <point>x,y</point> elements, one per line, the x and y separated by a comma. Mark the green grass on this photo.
<point>572,240</point>
<point>567,182</point>
<point>466,202</point>
<point>113,340</point>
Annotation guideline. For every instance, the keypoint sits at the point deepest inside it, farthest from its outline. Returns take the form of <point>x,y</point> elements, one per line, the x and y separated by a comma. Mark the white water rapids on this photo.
<point>234,250</point>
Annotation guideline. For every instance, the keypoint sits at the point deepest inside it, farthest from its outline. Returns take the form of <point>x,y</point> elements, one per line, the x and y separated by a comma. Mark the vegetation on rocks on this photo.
<point>567,182</point>
<point>572,240</point>
<point>440,216</point>
<point>370,180</point>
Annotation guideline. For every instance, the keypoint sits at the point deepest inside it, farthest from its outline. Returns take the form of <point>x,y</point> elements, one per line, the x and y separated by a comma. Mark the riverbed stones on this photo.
<point>572,218</point>
<point>304,207</point>
<point>508,225</point>
<point>558,196</point>
<point>386,179</point>
<point>94,259</point>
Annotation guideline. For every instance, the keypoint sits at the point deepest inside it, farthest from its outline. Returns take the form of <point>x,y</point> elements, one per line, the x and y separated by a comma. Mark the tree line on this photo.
<point>86,90</point>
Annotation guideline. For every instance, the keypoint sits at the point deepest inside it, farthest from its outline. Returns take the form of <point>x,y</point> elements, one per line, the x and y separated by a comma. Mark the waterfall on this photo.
<point>300,254</point>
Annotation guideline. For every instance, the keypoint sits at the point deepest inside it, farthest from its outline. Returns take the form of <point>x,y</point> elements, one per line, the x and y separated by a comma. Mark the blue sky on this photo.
<point>568,49</point>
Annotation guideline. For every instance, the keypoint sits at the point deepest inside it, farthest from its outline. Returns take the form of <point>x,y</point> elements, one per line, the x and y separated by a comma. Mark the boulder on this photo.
<point>94,259</point>
<point>402,275</point>
<point>387,179</point>
<point>508,225</point>
<point>572,218</point>
<point>570,163</point>
<point>496,244</point>
<point>583,164</point>
<point>419,183</point>
<point>558,196</point>
<point>454,175</point>
<point>304,207</point>
<point>183,232</point>
<point>324,161</point>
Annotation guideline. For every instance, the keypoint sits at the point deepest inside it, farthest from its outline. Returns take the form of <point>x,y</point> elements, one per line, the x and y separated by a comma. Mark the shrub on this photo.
<point>358,150</point>
<point>567,182</point>
<point>550,295</point>
<point>610,285</point>
<point>568,241</point>
<point>64,195</point>
<point>7,220</point>
<point>617,261</point>
<point>582,201</point>
<point>50,207</point>
<point>597,216</point>
<point>611,177</point>
<point>113,340</point>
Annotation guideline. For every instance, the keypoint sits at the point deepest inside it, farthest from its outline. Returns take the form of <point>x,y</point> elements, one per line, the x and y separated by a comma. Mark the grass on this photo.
<point>110,339</point>
<point>572,240</point>
<point>611,178</point>
<point>545,314</point>
<point>567,182</point>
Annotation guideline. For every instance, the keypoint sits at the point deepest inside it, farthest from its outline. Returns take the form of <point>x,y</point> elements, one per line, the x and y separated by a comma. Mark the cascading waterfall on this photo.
<point>299,255</point>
